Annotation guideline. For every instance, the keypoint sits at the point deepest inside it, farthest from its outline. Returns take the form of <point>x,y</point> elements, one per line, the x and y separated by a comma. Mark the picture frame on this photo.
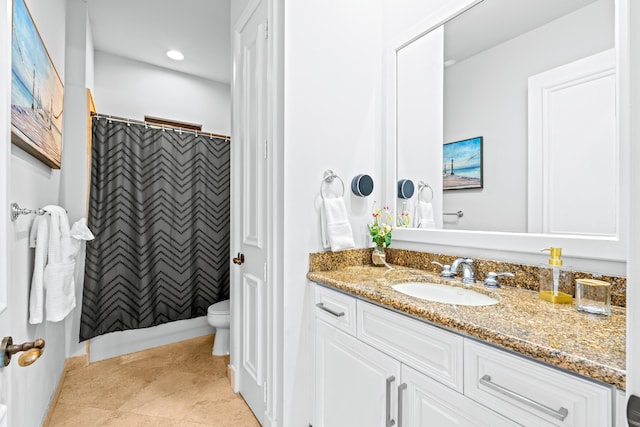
<point>462,164</point>
<point>37,92</point>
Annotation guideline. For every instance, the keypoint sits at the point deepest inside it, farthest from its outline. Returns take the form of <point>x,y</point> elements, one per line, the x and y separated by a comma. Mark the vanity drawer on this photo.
<point>530,393</point>
<point>337,309</point>
<point>425,348</point>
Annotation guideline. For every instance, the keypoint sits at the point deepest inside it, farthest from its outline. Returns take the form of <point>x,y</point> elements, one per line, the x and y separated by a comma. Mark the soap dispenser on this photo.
<point>556,281</point>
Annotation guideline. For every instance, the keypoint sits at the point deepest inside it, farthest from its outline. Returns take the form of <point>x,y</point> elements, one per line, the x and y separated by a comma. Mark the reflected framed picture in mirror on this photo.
<point>462,164</point>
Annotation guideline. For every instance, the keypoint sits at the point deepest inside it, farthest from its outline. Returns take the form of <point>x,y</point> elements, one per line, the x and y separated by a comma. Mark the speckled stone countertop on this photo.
<point>558,334</point>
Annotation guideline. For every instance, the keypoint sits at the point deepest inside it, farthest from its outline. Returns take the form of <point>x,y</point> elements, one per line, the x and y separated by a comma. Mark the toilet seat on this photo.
<point>221,307</point>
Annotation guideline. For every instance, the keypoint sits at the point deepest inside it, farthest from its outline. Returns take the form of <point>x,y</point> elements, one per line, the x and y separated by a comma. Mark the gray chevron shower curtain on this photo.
<point>159,208</point>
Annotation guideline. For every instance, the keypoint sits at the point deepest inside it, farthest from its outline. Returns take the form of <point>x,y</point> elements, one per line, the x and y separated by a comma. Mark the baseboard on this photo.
<point>69,365</point>
<point>231,374</point>
<point>125,342</point>
<point>269,422</point>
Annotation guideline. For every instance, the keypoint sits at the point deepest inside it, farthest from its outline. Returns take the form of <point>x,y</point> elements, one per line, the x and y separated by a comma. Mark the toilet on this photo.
<point>218,316</point>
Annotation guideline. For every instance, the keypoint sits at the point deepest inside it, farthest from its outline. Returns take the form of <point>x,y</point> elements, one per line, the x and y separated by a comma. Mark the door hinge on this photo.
<point>266,28</point>
<point>265,392</point>
<point>266,147</point>
<point>265,272</point>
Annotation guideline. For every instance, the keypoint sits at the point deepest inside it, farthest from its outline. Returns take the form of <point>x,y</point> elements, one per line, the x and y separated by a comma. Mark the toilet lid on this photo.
<point>221,307</point>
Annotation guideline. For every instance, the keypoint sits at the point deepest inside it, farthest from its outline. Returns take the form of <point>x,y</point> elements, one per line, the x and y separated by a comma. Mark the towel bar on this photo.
<point>328,177</point>
<point>423,186</point>
<point>459,214</point>
<point>16,211</point>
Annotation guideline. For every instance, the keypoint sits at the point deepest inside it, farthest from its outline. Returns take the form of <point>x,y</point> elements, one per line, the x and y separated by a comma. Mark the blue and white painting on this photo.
<point>36,92</point>
<point>462,164</point>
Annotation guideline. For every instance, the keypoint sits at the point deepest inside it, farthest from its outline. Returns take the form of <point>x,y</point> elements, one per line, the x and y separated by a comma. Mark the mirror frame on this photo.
<point>587,247</point>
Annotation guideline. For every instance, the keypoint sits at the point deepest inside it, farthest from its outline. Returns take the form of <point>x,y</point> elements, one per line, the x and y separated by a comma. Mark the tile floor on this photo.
<point>180,384</point>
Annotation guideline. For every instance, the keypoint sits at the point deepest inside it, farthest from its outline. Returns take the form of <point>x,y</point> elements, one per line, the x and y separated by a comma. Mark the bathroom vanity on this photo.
<point>385,358</point>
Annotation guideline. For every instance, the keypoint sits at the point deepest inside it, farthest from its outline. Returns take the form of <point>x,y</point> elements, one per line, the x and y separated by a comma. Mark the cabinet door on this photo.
<point>356,385</point>
<point>426,403</point>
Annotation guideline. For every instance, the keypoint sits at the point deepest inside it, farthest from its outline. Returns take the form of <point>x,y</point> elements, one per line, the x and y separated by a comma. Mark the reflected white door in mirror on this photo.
<point>573,148</point>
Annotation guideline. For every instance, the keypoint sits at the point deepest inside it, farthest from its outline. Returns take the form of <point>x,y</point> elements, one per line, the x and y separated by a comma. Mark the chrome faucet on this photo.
<point>468,275</point>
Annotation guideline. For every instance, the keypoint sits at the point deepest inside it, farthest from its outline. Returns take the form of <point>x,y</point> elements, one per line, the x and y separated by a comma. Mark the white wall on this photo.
<point>486,95</point>
<point>333,63</point>
<point>132,89</point>
<point>419,92</point>
<point>32,184</point>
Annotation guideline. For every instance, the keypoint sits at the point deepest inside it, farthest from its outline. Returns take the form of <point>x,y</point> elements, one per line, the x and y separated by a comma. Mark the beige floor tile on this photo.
<point>78,416</point>
<point>127,419</point>
<point>180,384</point>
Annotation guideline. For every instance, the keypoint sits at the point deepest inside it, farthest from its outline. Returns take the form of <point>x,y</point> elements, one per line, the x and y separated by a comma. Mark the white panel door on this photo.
<point>5,102</point>
<point>249,220</point>
<point>355,383</point>
<point>573,148</point>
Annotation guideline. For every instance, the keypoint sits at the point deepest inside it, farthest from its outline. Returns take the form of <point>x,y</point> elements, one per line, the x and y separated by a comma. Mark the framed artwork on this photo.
<point>462,164</point>
<point>36,92</point>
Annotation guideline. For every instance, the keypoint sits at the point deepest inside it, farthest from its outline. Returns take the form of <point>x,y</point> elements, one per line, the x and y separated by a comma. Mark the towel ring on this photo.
<point>328,178</point>
<point>421,187</point>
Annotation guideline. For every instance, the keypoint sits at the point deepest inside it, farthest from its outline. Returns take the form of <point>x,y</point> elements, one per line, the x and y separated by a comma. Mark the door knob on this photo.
<point>239,259</point>
<point>32,351</point>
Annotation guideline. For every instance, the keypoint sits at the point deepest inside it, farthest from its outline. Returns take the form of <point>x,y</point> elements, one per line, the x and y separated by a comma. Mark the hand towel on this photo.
<point>38,239</point>
<point>64,246</point>
<point>338,230</point>
<point>323,229</point>
<point>424,215</point>
<point>59,284</point>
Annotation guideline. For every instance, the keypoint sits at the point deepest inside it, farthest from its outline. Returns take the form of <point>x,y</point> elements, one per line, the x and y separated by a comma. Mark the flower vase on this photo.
<point>378,257</point>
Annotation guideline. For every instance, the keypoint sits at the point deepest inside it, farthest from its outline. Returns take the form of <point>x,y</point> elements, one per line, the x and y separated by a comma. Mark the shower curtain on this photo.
<point>159,208</point>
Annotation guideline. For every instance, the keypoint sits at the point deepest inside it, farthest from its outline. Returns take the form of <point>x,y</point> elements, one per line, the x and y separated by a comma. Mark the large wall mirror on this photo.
<point>537,81</point>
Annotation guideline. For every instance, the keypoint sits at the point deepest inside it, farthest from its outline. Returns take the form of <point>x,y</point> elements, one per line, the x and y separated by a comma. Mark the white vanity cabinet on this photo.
<point>377,367</point>
<point>359,385</point>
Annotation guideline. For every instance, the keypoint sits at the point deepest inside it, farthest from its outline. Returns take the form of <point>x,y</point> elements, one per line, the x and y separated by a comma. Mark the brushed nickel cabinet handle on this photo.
<point>559,414</point>
<point>321,306</point>
<point>401,388</point>
<point>390,421</point>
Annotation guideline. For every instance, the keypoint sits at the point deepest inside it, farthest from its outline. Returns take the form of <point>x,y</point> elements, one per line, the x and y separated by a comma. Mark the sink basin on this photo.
<point>444,293</point>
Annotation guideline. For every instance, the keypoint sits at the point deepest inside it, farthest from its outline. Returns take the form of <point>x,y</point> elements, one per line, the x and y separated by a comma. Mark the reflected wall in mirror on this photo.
<point>542,168</point>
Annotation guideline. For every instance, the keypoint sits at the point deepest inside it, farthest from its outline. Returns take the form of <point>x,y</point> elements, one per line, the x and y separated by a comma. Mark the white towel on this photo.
<point>338,228</point>
<point>57,247</point>
<point>424,215</point>
<point>39,239</point>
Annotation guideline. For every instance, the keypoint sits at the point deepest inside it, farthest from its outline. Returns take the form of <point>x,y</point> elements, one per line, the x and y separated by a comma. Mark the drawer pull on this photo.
<point>390,421</point>
<point>559,414</point>
<point>321,306</point>
<point>401,388</point>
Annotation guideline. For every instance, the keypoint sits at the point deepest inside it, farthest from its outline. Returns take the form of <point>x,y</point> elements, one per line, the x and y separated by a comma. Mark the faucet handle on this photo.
<point>446,269</point>
<point>491,281</point>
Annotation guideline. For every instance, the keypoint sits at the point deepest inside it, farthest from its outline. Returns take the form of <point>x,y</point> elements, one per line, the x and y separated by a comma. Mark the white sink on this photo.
<point>444,293</point>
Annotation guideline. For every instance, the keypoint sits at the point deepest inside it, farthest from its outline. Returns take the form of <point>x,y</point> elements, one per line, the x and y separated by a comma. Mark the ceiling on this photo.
<point>491,22</point>
<point>145,29</point>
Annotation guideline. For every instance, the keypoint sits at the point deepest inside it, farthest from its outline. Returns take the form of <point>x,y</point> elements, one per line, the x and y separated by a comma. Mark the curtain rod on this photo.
<point>156,126</point>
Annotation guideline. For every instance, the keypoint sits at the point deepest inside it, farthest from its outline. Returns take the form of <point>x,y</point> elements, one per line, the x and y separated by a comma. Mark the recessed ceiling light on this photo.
<point>176,55</point>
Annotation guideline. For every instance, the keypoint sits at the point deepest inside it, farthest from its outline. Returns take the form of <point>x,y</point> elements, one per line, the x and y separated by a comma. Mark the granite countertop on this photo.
<point>588,344</point>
